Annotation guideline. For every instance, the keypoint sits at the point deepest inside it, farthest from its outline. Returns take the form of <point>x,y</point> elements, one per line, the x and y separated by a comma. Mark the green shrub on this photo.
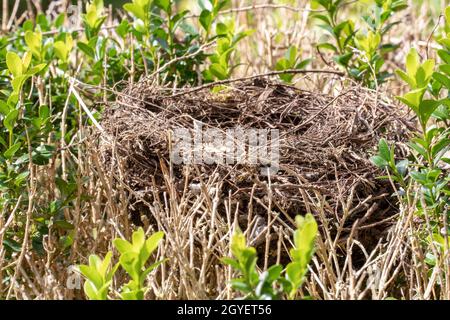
<point>428,99</point>
<point>276,282</point>
<point>359,51</point>
<point>133,259</point>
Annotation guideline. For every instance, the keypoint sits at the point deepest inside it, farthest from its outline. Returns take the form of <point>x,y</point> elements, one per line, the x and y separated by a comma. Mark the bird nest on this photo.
<point>325,143</point>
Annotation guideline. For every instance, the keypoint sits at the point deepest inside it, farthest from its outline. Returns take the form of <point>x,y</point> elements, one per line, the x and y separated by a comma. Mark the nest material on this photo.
<point>325,145</point>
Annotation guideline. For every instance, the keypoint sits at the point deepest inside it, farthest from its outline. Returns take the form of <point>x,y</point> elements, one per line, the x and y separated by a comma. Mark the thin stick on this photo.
<point>273,73</point>
<point>85,108</point>
<point>13,14</point>
<point>271,6</point>
<point>5,15</point>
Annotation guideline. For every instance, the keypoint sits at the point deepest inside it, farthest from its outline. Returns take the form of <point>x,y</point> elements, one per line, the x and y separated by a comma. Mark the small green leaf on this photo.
<point>86,49</point>
<point>405,77</point>
<point>384,150</point>
<point>412,63</point>
<point>442,79</point>
<point>26,60</point>
<point>426,109</point>
<point>231,262</point>
<point>34,42</point>
<point>10,119</point>
<point>122,245</point>
<point>61,50</point>
<point>164,4</point>
<point>14,63</point>
<point>64,225</point>
<point>153,241</point>
<point>135,10</point>
<point>218,71</point>
<point>379,162</point>
<point>4,108</point>
<point>327,46</point>
<point>205,19</point>
<point>295,273</point>
<point>402,167</point>
<point>36,69</point>
<point>8,154</point>
<point>138,239</point>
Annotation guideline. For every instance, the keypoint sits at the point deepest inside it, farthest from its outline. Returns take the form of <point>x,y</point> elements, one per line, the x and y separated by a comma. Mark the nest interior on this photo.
<point>325,145</point>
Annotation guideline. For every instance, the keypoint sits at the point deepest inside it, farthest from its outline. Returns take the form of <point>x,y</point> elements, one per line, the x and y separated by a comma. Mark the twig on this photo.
<point>13,15</point>
<point>431,34</point>
<point>85,108</point>
<point>175,60</point>
<point>268,74</point>
<point>11,216</point>
<point>271,6</point>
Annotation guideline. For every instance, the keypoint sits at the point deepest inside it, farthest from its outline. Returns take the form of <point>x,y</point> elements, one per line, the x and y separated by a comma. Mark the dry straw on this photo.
<point>325,144</point>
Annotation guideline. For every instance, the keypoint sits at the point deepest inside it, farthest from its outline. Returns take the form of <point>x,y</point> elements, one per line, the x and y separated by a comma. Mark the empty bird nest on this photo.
<point>325,143</point>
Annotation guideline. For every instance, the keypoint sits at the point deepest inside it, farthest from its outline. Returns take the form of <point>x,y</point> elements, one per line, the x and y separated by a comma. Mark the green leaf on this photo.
<point>122,245</point>
<point>153,241</point>
<point>218,71</point>
<point>12,245</point>
<point>10,119</point>
<point>26,60</point>
<point>302,64</point>
<point>205,19</point>
<point>402,167</point>
<point>444,55</point>
<point>64,225</point>
<point>4,108</point>
<point>8,154</point>
<point>327,46</point>
<point>152,267</point>
<point>42,154</point>
<point>105,264</point>
<point>138,239</point>
<point>291,55</point>
<point>44,112</point>
<point>86,49</point>
<point>442,79</point>
<point>322,18</point>
<point>135,10</point>
<point>130,263</point>
<point>294,273</point>
<point>34,42</point>
<point>238,243</point>
<point>447,15</point>
<point>274,272</point>
<point>282,64</point>
<point>379,162</point>
<point>413,98</point>
<point>241,285</point>
<point>304,238</point>
<point>412,63</point>
<point>344,59</point>
<point>231,262</point>
<point>18,82</point>
<point>418,148</point>
<point>36,69</point>
<point>424,73</point>
<point>61,50</point>
<point>445,68</point>
<point>14,63</point>
<point>405,77</point>
<point>91,291</point>
<point>426,109</point>
<point>384,150</point>
<point>92,275</point>
<point>164,4</point>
